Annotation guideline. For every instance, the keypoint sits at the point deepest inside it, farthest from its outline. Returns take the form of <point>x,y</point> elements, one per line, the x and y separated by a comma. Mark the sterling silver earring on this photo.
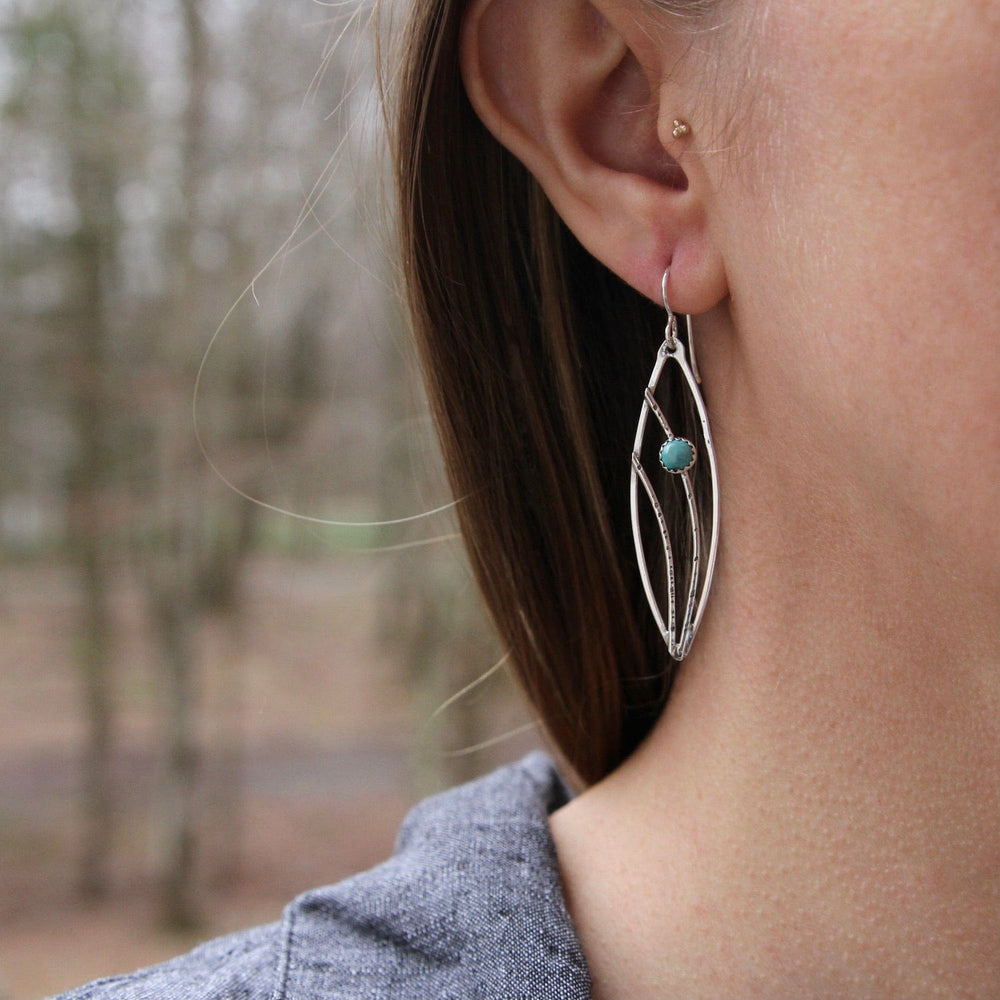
<point>688,461</point>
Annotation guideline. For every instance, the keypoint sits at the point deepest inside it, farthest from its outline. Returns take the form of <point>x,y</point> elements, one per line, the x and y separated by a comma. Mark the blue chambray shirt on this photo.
<point>469,907</point>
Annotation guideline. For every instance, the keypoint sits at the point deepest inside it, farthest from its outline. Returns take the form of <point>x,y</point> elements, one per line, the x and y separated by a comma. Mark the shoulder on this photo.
<point>237,967</point>
<point>469,906</point>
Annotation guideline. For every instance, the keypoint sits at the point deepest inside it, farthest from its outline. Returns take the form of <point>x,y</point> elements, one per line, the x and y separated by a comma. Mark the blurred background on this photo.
<point>211,698</point>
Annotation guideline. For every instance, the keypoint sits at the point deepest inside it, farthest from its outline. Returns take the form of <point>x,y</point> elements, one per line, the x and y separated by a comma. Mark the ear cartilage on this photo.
<point>681,128</point>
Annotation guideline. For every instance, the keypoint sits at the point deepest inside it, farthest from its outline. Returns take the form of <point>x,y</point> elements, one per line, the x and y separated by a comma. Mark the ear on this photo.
<point>560,84</point>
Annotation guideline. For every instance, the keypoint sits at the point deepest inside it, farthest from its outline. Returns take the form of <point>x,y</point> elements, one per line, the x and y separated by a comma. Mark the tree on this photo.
<point>69,68</point>
<point>157,154</point>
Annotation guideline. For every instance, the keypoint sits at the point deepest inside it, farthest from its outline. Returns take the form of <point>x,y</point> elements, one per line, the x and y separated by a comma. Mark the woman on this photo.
<point>807,805</point>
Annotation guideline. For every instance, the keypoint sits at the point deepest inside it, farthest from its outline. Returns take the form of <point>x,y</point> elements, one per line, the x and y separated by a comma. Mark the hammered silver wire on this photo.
<point>678,640</point>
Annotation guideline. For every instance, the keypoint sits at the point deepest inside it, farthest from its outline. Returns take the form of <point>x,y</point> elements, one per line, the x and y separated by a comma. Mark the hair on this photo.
<point>534,356</point>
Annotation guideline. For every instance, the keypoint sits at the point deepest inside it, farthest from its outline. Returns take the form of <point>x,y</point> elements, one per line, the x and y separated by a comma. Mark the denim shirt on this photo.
<point>469,907</point>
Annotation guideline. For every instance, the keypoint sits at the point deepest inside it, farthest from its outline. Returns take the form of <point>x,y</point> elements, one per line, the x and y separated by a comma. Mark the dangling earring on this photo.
<point>680,457</point>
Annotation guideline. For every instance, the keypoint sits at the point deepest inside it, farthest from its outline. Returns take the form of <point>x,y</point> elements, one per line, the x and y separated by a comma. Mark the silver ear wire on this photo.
<point>678,456</point>
<point>671,331</point>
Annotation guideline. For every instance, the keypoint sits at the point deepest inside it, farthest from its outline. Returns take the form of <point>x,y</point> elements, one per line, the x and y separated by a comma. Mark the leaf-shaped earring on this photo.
<point>678,457</point>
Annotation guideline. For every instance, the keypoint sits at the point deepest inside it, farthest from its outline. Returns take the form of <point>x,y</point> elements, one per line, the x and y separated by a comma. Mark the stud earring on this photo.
<point>678,457</point>
<point>681,129</point>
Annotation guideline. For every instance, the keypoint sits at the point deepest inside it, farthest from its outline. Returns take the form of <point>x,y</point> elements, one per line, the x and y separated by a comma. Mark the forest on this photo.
<point>238,637</point>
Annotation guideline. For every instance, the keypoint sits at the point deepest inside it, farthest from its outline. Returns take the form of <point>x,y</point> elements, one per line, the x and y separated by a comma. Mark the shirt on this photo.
<point>469,907</point>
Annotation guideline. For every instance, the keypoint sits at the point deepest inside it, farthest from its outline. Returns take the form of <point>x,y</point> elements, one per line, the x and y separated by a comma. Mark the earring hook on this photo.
<point>671,330</point>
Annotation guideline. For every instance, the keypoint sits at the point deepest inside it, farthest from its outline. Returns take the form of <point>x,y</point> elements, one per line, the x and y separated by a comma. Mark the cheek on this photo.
<point>868,188</point>
<point>874,136</point>
<point>866,250</point>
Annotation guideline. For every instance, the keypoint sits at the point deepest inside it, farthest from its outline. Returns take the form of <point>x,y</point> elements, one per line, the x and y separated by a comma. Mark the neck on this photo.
<point>816,812</point>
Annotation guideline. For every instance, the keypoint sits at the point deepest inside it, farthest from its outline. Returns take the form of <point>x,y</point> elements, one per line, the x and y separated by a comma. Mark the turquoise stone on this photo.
<point>677,455</point>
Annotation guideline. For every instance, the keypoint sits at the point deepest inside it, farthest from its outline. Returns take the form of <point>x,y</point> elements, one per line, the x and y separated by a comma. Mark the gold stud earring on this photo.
<point>681,129</point>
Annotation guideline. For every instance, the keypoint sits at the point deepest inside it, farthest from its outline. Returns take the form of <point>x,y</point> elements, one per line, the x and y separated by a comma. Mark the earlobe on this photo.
<point>560,86</point>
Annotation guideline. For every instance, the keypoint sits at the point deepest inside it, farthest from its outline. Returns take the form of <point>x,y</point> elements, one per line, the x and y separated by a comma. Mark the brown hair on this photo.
<point>534,356</point>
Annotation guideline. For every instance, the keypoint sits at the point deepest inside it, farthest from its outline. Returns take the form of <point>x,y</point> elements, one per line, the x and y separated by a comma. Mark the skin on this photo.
<point>816,813</point>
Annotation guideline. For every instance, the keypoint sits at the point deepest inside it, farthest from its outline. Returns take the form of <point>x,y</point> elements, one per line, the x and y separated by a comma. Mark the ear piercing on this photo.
<point>681,128</point>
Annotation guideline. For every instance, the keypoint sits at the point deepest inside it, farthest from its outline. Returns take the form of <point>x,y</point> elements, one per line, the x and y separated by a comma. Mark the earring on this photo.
<point>679,457</point>
<point>680,129</point>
